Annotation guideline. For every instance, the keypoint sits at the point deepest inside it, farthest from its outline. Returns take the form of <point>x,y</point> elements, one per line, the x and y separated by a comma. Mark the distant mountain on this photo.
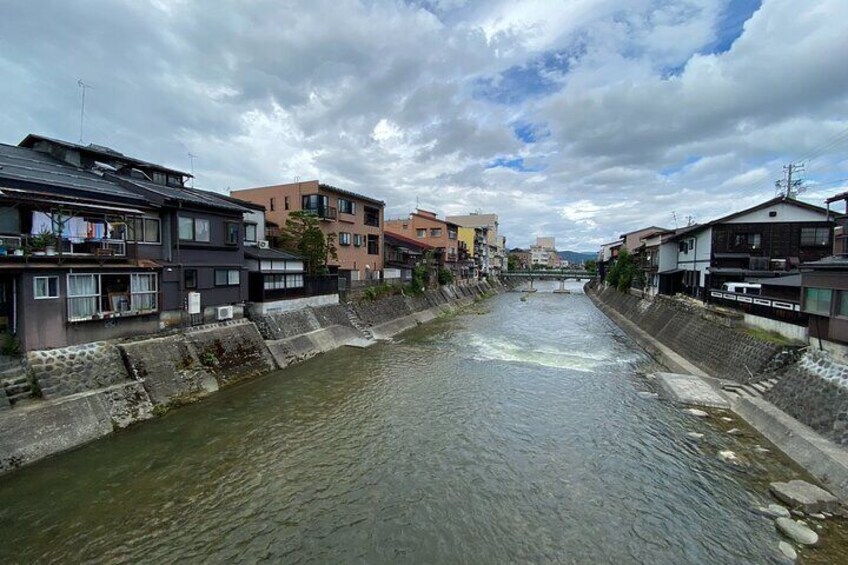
<point>576,256</point>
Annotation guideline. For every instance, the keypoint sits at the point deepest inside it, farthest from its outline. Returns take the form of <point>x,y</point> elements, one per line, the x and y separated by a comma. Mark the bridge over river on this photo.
<point>504,435</point>
<point>563,274</point>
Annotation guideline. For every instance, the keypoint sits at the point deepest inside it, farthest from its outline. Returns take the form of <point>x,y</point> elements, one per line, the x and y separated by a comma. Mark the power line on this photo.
<point>83,86</point>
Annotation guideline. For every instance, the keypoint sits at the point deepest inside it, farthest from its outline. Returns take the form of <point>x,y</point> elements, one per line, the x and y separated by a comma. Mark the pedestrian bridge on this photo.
<point>551,275</point>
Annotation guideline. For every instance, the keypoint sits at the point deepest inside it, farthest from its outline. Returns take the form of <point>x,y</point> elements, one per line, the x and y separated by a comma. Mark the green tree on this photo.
<point>302,235</point>
<point>512,263</point>
<point>625,273</point>
<point>591,266</point>
<point>445,276</point>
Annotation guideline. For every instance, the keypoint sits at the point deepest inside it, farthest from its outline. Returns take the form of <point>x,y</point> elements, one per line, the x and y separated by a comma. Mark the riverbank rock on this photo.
<point>804,496</point>
<point>729,457</point>
<point>695,412</point>
<point>695,435</point>
<point>787,550</point>
<point>774,511</point>
<point>797,531</point>
<point>648,395</point>
<point>735,432</point>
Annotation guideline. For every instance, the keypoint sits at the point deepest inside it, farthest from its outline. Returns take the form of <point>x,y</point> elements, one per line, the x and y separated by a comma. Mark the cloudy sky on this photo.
<point>581,119</point>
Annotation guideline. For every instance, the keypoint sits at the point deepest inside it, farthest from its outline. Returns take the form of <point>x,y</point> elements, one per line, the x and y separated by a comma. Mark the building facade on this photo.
<point>425,227</point>
<point>354,220</point>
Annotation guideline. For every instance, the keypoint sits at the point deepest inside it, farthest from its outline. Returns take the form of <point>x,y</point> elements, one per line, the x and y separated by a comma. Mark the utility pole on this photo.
<point>788,186</point>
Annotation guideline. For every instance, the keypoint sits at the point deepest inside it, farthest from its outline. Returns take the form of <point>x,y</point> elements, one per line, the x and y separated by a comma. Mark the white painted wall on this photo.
<point>278,306</point>
<point>789,331</point>
<point>668,257</point>
<point>698,258</point>
<point>258,218</point>
<point>784,213</point>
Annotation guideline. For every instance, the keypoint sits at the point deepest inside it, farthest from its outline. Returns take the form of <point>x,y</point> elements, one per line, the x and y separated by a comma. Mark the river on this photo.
<point>513,432</point>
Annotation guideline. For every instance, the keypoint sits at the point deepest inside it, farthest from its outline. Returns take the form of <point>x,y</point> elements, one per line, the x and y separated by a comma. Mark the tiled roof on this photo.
<point>351,194</point>
<point>24,165</point>
<point>273,254</point>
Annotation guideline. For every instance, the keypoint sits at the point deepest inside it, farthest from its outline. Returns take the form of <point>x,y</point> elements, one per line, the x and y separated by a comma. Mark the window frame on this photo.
<point>230,237</point>
<point>98,305</point>
<point>186,279</point>
<point>435,232</point>
<point>345,238</point>
<point>247,227</point>
<point>229,273</point>
<point>194,223</point>
<point>421,233</point>
<point>48,296</point>
<point>368,240</point>
<point>807,308</point>
<point>815,233</point>
<point>347,206</point>
<point>357,240</point>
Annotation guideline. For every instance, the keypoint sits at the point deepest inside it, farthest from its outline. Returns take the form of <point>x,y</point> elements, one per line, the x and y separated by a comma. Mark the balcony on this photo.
<point>328,213</point>
<point>25,248</point>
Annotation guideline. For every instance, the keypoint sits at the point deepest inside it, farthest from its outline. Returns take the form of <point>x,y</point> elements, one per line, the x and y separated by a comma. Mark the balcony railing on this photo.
<point>29,246</point>
<point>324,212</point>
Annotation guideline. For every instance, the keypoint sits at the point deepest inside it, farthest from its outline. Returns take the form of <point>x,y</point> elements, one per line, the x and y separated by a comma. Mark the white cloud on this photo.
<point>383,97</point>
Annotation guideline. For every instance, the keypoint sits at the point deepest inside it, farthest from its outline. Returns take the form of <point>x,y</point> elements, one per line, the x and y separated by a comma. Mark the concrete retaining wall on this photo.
<point>709,343</point>
<point>789,331</point>
<point>92,390</point>
<point>814,391</point>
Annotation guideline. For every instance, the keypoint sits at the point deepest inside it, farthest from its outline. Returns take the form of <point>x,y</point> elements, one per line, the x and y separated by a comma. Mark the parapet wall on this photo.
<point>700,336</point>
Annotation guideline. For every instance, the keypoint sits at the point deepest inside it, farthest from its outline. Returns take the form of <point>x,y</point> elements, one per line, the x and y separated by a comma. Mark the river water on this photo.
<point>510,433</point>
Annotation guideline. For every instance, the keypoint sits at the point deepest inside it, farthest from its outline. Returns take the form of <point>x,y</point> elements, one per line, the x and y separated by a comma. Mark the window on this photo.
<point>347,206</point>
<point>227,277</point>
<point>746,241</point>
<point>272,204</point>
<point>344,238</point>
<point>146,230</point>
<point>83,295</point>
<point>372,216</point>
<point>842,304</point>
<point>286,202</point>
<point>435,232</point>
<point>232,233</point>
<point>373,244</point>
<point>90,296</point>
<point>815,237</point>
<point>143,292</point>
<point>159,177</point>
<point>194,229</point>
<point>421,234</point>
<point>190,277</point>
<point>817,300</point>
<point>357,240</point>
<point>452,234</point>
<point>276,282</point>
<point>46,287</point>
<point>250,232</point>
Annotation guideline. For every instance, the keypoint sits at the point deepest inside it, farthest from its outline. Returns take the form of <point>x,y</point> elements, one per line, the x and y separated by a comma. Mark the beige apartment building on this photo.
<point>355,220</point>
<point>424,226</point>
<point>497,251</point>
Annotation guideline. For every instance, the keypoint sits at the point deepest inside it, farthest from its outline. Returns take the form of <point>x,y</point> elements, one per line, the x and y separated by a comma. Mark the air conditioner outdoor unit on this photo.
<point>263,244</point>
<point>224,312</point>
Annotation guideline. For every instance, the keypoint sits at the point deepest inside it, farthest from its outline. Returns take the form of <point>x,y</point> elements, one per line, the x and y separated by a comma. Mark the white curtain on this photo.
<point>82,296</point>
<point>143,289</point>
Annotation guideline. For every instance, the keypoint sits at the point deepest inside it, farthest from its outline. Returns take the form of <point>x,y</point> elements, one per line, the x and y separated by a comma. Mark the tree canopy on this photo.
<point>302,235</point>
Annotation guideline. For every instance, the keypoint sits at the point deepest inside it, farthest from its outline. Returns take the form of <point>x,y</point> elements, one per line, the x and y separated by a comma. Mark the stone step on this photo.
<point>751,391</point>
<point>17,388</point>
<point>759,387</point>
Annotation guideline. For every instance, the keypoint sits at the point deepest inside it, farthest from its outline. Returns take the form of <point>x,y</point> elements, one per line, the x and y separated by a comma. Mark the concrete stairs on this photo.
<point>356,322</point>
<point>13,379</point>
<point>751,390</point>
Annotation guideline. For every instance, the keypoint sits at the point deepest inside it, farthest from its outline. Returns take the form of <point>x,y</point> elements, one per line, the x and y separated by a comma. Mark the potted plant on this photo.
<point>43,243</point>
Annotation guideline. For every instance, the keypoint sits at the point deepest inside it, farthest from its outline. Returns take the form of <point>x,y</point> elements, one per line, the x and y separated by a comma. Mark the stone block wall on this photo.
<point>169,369</point>
<point>720,350</point>
<point>815,391</point>
<point>232,352</point>
<point>78,368</point>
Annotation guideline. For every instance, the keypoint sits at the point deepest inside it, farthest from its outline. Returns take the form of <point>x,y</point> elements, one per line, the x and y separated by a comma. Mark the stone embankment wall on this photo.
<point>704,340</point>
<point>91,390</point>
<point>815,391</point>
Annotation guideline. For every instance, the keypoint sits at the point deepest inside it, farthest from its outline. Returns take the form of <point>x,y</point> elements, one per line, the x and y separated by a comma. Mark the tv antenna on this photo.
<point>83,86</point>
<point>191,158</point>
<point>674,217</point>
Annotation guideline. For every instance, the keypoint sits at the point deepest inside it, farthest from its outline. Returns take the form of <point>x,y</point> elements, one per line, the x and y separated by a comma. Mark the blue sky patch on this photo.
<point>730,24</point>
<point>530,133</point>
<point>540,76</point>
<point>516,164</point>
<point>668,171</point>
